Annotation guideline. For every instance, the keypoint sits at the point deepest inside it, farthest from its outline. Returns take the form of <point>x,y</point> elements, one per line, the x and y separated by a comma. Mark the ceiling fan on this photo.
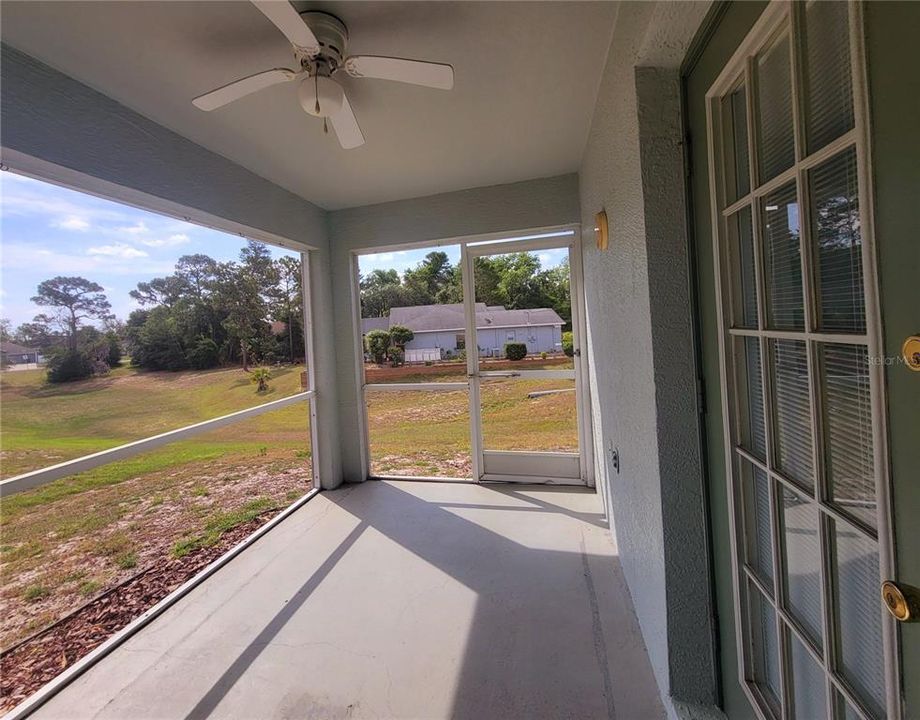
<point>319,40</point>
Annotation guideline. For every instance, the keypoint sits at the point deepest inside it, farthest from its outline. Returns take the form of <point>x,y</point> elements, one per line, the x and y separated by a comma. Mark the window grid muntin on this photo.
<point>787,20</point>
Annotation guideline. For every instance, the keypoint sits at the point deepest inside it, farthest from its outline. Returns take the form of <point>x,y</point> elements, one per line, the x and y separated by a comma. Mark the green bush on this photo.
<point>377,342</point>
<point>69,365</point>
<point>515,351</point>
<point>400,335</point>
<point>568,344</point>
<point>544,355</point>
<point>113,354</point>
<point>204,354</point>
<point>260,376</point>
<point>396,355</point>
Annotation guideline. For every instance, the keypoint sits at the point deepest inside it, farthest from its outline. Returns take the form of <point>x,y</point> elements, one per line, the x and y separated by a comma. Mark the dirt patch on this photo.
<point>424,464</point>
<point>33,663</point>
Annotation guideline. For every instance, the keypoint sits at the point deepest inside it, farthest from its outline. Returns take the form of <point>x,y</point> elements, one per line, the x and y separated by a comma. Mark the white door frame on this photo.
<point>547,237</point>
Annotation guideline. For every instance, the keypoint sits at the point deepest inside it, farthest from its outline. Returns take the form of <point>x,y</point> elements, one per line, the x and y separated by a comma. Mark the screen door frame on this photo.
<point>529,466</point>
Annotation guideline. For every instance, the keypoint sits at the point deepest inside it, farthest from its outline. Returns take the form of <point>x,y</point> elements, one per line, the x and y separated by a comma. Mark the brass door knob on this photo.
<point>910,351</point>
<point>902,601</point>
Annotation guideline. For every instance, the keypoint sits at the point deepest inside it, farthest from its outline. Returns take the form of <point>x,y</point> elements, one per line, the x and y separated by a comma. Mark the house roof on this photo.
<point>11,348</point>
<point>434,318</point>
<point>374,323</point>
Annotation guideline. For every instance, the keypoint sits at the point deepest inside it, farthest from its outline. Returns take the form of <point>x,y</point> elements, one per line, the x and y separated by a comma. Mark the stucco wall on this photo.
<point>49,116</point>
<point>532,203</point>
<point>640,345</point>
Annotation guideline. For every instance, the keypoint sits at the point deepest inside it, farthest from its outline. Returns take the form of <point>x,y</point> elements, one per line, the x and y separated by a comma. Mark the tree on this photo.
<point>290,299</point>
<point>377,343</point>
<point>75,299</point>
<point>6,329</point>
<point>36,334</point>
<point>400,335</point>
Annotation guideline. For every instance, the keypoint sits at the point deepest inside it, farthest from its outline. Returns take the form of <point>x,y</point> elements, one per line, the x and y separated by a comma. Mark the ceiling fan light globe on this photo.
<point>324,89</point>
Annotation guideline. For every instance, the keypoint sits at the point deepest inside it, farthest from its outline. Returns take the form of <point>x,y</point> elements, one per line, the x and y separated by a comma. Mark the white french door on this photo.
<point>802,399</point>
<point>548,443</point>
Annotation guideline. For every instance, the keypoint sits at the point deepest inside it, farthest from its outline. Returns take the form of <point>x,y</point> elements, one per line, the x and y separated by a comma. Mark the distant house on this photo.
<point>442,328</point>
<point>13,354</point>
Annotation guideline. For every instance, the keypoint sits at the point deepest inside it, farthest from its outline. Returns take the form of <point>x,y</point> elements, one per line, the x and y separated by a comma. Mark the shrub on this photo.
<point>396,355</point>
<point>69,365</point>
<point>515,351</point>
<point>113,354</point>
<point>376,342</point>
<point>568,344</point>
<point>203,354</point>
<point>544,355</point>
<point>261,376</point>
<point>400,335</point>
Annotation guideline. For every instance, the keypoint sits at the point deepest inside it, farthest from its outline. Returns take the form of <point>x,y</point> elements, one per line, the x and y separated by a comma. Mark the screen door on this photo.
<point>524,361</point>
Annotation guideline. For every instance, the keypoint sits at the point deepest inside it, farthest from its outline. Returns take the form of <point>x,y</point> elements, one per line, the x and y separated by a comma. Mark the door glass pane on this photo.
<point>808,683</point>
<point>419,433</point>
<point>792,438</point>
<point>849,455</point>
<point>803,562</point>
<point>829,95</point>
<point>835,228</point>
<point>783,260</point>
<point>532,415</point>
<point>774,109</point>
<point>753,437</point>
<point>858,615</point>
<point>744,286</point>
<point>734,107</point>
<point>758,529</point>
<point>843,710</point>
<point>764,647</point>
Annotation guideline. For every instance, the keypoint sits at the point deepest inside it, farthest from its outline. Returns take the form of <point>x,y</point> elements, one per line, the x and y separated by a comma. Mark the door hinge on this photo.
<point>701,396</point>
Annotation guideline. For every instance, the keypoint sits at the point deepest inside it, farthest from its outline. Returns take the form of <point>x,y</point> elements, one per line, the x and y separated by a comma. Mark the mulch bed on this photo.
<point>30,664</point>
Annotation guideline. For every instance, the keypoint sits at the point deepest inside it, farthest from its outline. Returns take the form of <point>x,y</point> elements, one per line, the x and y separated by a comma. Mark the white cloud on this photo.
<point>71,222</point>
<point>171,241</point>
<point>138,228</point>
<point>24,256</point>
<point>120,250</point>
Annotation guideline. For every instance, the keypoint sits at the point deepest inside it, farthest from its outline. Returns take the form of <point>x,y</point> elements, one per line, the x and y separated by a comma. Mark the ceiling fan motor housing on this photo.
<point>331,34</point>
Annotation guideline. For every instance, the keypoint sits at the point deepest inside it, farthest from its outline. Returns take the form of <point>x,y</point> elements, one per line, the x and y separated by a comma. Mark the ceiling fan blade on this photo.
<point>244,86</point>
<point>346,126</point>
<point>288,21</point>
<point>415,72</point>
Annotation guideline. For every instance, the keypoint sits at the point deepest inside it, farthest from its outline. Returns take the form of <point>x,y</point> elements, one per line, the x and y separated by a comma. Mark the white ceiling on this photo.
<point>526,80</point>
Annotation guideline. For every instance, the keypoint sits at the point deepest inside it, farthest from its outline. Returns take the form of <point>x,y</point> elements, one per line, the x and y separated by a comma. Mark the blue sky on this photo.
<point>47,230</point>
<point>403,259</point>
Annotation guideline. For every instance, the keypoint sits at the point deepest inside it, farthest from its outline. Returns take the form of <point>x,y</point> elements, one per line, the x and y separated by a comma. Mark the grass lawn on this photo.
<point>67,541</point>
<point>72,539</point>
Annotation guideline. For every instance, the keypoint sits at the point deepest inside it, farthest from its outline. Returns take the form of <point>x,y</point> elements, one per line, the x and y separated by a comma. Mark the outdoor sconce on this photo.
<point>600,229</point>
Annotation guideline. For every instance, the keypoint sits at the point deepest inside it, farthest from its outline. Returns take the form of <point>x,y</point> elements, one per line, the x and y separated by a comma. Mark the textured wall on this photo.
<point>532,203</point>
<point>640,344</point>
<point>54,118</point>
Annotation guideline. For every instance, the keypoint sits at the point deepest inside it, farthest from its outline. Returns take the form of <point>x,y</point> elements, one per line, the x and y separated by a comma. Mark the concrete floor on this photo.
<point>396,600</point>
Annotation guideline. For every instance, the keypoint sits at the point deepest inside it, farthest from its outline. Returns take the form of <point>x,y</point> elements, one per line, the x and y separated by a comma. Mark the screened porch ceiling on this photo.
<point>517,65</point>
